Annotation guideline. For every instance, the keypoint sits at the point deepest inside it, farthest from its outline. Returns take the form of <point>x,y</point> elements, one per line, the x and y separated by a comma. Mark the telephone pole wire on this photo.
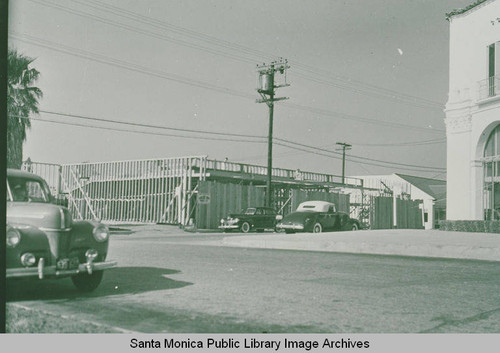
<point>266,90</point>
<point>345,146</point>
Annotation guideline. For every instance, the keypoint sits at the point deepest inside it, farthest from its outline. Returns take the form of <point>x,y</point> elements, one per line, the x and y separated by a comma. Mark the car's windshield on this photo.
<point>250,211</point>
<point>26,190</point>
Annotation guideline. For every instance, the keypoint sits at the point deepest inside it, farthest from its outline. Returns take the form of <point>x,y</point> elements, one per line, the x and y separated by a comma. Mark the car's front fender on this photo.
<point>33,240</point>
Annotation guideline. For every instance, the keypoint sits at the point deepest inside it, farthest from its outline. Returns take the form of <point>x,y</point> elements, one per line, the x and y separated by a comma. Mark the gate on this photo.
<point>382,213</point>
<point>139,191</point>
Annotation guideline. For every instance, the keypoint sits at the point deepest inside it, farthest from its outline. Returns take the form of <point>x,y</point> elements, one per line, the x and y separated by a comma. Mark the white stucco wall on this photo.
<point>469,120</point>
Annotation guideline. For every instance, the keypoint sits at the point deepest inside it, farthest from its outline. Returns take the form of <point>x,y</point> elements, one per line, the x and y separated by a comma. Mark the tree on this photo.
<point>22,101</point>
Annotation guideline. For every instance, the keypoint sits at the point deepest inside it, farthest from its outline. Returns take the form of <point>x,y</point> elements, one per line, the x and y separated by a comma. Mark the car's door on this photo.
<point>269,218</point>
<point>259,218</point>
<point>331,219</point>
<point>345,221</point>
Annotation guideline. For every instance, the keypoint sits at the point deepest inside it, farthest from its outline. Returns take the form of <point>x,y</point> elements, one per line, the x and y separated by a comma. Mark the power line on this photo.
<point>184,80</point>
<point>359,162</point>
<point>414,143</point>
<point>226,134</point>
<point>350,117</point>
<point>358,157</point>
<point>149,125</point>
<point>345,83</point>
<point>132,131</point>
<point>391,164</point>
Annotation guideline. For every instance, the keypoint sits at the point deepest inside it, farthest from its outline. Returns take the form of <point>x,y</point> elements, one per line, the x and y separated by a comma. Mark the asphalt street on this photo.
<point>171,281</point>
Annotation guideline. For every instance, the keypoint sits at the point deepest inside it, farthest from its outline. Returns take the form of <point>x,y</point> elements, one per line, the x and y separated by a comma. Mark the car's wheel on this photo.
<point>354,226</point>
<point>87,283</point>
<point>245,227</point>
<point>317,228</point>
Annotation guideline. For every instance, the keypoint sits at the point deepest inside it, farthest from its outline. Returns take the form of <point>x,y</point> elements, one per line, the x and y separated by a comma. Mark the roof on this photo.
<point>21,174</point>
<point>436,188</point>
<point>464,9</point>
<point>318,206</point>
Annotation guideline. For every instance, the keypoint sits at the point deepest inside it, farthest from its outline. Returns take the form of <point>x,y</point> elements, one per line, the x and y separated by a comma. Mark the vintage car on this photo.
<point>258,218</point>
<point>44,242</point>
<point>317,217</point>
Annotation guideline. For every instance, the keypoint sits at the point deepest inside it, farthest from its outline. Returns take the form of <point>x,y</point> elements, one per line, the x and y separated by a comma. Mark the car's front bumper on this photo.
<point>229,226</point>
<point>296,227</point>
<point>42,271</point>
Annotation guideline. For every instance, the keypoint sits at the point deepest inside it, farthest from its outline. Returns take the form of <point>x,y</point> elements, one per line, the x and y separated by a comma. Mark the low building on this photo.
<point>432,192</point>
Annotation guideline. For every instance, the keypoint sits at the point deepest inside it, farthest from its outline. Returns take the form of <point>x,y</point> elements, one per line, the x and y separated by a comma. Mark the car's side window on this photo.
<point>331,209</point>
<point>258,211</point>
<point>23,190</point>
<point>35,192</point>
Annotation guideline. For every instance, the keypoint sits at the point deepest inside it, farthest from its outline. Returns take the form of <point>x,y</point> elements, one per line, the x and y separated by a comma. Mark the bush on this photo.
<point>471,226</point>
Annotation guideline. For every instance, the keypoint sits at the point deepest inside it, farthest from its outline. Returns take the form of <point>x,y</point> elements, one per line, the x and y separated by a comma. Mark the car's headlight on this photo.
<point>279,217</point>
<point>13,237</point>
<point>235,220</point>
<point>101,233</point>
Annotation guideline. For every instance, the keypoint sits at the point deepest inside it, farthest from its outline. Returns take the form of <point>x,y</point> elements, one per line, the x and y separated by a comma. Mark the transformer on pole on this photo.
<point>266,90</point>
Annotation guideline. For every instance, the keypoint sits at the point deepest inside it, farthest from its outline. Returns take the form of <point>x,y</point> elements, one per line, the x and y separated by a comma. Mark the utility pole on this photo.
<point>345,146</point>
<point>266,90</point>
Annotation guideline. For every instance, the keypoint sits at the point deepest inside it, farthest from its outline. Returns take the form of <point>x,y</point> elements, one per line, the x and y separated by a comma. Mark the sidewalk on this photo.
<point>404,242</point>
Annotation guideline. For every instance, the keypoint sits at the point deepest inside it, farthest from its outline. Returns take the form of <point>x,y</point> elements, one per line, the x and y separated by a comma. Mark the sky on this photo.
<point>370,73</point>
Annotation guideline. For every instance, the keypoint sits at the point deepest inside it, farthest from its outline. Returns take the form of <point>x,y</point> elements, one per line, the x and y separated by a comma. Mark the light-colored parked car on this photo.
<point>43,241</point>
<point>317,217</point>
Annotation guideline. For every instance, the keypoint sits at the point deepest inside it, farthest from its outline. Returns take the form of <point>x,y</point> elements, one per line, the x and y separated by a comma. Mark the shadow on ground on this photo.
<point>121,280</point>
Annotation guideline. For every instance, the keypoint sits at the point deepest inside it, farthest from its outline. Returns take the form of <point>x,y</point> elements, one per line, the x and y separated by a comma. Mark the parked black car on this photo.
<point>317,217</point>
<point>258,218</point>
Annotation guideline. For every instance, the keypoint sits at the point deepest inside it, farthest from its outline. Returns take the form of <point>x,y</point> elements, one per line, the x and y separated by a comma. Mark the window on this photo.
<point>493,83</point>
<point>250,211</point>
<point>25,190</point>
<point>491,184</point>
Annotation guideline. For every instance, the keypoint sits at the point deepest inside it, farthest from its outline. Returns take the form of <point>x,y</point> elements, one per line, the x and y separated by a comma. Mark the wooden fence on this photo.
<point>382,213</point>
<point>408,214</point>
<point>216,200</point>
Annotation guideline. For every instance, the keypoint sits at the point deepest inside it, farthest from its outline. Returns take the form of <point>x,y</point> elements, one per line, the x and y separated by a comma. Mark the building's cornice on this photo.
<point>466,9</point>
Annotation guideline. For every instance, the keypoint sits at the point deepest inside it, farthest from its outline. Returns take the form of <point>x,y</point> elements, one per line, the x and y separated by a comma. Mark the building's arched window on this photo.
<point>492,175</point>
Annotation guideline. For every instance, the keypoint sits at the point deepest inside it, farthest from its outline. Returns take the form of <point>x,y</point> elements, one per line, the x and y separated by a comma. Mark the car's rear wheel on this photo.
<point>87,283</point>
<point>245,227</point>
<point>317,228</point>
<point>354,226</point>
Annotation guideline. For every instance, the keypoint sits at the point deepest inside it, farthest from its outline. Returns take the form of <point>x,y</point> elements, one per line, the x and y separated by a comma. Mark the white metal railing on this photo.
<point>148,191</point>
<point>489,87</point>
<point>280,172</point>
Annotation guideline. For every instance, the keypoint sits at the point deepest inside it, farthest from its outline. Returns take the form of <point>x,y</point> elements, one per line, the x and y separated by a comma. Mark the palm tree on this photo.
<point>22,101</point>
